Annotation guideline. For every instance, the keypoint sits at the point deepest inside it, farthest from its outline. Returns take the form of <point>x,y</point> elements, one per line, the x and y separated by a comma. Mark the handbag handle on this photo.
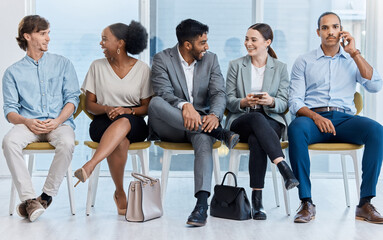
<point>235,178</point>
<point>143,178</point>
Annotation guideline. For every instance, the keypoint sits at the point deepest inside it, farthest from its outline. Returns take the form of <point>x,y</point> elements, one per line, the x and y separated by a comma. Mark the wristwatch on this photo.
<point>132,111</point>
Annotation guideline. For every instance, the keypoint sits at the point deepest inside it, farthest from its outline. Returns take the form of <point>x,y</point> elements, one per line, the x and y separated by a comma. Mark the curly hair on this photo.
<point>134,35</point>
<point>29,24</point>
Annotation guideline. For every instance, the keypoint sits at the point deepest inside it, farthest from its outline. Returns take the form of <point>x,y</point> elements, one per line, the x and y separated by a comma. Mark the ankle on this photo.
<point>304,200</point>
<point>202,197</point>
<point>364,200</point>
<point>45,197</point>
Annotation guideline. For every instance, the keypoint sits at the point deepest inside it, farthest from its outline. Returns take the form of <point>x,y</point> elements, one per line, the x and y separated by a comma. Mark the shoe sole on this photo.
<point>36,214</point>
<point>196,224</point>
<point>293,185</point>
<point>303,221</point>
<point>259,218</point>
<point>233,141</point>
<point>365,219</point>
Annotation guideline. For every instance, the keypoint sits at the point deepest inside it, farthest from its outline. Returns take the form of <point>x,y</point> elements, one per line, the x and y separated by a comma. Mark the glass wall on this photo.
<point>76,27</point>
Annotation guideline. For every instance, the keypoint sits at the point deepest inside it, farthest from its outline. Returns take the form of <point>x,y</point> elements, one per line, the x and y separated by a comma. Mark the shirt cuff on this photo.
<point>181,104</point>
<point>294,108</point>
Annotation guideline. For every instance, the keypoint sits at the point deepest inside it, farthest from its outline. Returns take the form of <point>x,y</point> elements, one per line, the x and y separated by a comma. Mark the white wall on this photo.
<point>11,12</point>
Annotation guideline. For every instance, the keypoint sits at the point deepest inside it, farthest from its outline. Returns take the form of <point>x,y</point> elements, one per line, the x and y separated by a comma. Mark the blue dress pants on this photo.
<point>349,129</point>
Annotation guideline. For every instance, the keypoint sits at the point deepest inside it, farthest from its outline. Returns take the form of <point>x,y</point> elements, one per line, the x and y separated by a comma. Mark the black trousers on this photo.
<point>262,133</point>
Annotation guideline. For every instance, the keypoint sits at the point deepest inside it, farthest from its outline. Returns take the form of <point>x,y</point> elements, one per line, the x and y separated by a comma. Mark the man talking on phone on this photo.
<point>322,88</point>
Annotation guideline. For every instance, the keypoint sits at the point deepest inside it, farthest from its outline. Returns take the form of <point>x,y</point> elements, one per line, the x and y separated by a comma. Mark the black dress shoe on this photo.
<point>198,216</point>
<point>230,139</point>
<point>288,175</point>
<point>259,212</point>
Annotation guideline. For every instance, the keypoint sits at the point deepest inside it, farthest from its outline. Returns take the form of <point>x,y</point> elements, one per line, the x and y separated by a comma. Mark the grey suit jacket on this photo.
<point>169,82</point>
<point>238,85</point>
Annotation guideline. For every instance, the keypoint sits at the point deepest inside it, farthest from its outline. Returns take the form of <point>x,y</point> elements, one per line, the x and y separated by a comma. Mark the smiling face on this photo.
<point>38,41</point>
<point>329,30</point>
<point>199,47</point>
<point>109,43</point>
<point>255,43</point>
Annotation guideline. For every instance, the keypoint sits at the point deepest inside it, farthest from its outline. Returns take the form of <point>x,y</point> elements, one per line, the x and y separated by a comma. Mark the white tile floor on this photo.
<point>333,221</point>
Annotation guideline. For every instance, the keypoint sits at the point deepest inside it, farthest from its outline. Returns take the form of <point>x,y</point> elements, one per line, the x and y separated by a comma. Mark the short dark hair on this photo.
<point>190,29</point>
<point>328,13</point>
<point>30,24</point>
<point>134,35</point>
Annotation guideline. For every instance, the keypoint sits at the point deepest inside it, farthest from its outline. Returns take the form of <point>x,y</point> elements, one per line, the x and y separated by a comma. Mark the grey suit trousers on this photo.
<point>167,122</point>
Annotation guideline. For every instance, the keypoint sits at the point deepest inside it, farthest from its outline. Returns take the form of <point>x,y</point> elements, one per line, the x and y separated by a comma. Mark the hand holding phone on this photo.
<point>258,95</point>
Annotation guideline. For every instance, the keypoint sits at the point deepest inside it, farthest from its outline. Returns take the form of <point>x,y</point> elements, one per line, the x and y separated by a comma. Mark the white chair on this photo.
<point>139,149</point>
<point>171,149</point>
<point>243,149</point>
<point>39,148</point>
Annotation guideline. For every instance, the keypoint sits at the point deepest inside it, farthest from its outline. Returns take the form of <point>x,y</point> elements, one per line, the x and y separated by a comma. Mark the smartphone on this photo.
<point>258,95</point>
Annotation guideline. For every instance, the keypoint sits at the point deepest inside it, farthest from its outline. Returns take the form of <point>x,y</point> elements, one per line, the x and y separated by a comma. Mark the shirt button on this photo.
<point>41,81</point>
<point>44,106</point>
<point>43,94</point>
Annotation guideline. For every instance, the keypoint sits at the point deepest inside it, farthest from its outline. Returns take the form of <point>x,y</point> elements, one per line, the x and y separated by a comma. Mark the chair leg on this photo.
<point>286,193</point>
<point>31,163</point>
<point>274,175</point>
<point>70,189</point>
<point>354,156</point>
<point>345,180</point>
<point>96,173</point>
<point>134,162</point>
<point>144,160</point>
<point>217,168</point>
<point>233,165</point>
<point>166,159</point>
<point>12,199</point>
<point>286,197</point>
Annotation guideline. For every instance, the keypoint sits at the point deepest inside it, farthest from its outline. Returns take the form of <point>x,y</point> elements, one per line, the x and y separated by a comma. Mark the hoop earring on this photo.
<point>118,51</point>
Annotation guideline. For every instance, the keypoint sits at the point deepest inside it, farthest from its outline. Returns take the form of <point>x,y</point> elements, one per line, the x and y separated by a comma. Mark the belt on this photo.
<point>328,109</point>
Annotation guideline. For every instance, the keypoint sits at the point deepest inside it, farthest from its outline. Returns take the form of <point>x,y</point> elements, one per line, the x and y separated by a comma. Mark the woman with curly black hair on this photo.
<point>118,92</point>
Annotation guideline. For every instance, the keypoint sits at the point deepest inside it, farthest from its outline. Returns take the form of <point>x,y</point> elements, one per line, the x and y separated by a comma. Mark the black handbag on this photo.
<point>230,202</point>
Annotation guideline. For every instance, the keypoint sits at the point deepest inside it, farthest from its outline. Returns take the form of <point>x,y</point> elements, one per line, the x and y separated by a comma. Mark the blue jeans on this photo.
<point>349,129</point>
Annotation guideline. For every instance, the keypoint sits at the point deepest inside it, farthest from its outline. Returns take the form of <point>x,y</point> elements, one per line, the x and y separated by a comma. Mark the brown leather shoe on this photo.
<point>368,213</point>
<point>306,212</point>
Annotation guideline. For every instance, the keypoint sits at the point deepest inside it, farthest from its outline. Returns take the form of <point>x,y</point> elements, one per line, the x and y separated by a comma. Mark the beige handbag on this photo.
<point>144,199</point>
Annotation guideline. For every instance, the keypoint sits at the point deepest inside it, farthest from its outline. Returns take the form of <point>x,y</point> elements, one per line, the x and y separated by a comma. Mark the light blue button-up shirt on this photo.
<point>40,90</point>
<point>320,81</point>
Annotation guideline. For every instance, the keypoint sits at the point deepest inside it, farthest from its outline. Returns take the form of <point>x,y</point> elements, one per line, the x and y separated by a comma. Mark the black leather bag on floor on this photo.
<point>230,202</point>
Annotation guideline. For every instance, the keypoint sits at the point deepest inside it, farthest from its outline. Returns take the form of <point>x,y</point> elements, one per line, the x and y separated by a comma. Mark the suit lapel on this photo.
<point>176,61</point>
<point>196,79</point>
<point>246,75</point>
<point>269,74</point>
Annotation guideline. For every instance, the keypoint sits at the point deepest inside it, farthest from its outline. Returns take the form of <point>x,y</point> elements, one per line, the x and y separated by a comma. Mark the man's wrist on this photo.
<point>355,53</point>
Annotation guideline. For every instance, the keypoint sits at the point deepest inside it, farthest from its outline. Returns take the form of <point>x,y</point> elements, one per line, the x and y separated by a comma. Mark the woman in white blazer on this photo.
<point>257,95</point>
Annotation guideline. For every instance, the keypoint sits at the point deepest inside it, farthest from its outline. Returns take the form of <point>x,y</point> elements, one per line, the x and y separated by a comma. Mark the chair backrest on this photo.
<point>83,106</point>
<point>358,101</point>
<point>78,111</point>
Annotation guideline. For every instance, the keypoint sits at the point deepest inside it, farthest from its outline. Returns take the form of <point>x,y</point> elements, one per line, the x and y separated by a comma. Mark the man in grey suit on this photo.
<point>189,104</point>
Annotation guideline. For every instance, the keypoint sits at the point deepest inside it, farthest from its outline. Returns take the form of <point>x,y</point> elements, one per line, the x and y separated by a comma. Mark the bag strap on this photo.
<point>235,178</point>
<point>143,178</point>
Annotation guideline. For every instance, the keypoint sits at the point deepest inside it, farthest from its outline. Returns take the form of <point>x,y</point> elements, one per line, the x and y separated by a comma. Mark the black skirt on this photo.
<point>138,133</point>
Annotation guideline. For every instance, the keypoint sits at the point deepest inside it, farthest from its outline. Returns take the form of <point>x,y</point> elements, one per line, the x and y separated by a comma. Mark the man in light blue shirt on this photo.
<point>41,93</point>
<point>322,90</point>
